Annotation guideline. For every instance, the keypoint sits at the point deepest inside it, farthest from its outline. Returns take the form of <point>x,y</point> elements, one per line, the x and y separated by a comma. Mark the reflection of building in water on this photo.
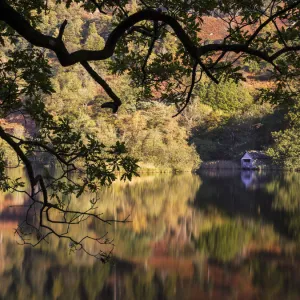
<point>248,177</point>
<point>254,179</point>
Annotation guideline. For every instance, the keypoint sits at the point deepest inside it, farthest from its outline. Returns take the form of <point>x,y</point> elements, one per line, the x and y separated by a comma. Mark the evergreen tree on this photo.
<point>94,41</point>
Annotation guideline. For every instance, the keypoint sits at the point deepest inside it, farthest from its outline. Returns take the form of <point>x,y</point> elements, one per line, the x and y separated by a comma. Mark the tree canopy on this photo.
<point>157,44</point>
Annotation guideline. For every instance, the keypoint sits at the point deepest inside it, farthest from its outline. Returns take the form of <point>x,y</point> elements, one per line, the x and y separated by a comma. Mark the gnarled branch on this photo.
<point>18,23</point>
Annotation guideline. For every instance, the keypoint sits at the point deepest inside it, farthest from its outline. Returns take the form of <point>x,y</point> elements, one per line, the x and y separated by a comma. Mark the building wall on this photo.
<point>247,164</point>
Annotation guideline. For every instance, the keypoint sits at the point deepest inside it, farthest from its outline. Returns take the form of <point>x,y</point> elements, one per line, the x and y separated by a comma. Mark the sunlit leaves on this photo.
<point>24,77</point>
<point>4,185</point>
<point>7,183</point>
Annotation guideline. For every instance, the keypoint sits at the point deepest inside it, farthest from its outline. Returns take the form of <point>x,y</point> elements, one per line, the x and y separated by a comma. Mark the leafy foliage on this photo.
<point>150,62</point>
<point>227,96</point>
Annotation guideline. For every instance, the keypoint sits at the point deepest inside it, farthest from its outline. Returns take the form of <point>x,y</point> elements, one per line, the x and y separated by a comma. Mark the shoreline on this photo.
<point>235,166</point>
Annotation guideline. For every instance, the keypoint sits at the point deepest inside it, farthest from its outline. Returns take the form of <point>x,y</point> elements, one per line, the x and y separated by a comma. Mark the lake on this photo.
<point>215,235</point>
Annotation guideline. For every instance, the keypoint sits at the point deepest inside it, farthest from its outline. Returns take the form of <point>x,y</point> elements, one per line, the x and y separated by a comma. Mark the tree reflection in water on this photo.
<point>191,237</point>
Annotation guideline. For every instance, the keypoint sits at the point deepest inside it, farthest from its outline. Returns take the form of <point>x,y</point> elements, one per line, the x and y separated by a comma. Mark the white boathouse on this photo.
<point>254,160</point>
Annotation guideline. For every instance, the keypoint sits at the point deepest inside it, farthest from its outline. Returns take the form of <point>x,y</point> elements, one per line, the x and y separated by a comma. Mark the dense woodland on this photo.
<point>90,91</point>
<point>221,123</point>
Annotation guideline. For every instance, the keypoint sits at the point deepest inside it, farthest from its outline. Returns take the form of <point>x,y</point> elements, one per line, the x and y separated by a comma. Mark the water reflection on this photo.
<point>227,235</point>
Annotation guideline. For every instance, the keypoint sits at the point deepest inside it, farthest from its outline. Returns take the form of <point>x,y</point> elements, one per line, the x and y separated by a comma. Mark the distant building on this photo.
<point>254,160</point>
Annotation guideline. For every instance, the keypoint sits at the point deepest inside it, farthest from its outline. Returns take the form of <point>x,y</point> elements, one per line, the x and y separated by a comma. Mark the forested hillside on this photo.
<point>221,123</point>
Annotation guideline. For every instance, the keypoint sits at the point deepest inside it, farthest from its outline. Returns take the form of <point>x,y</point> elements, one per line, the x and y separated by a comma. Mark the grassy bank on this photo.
<point>220,164</point>
<point>151,168</point>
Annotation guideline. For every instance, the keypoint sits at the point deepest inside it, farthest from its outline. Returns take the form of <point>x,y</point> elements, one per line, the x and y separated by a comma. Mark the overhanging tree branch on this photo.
<point>18,23</point>
<point>280,12</point>
<point>194,73</point>
<point>116,100</point>
<point>42,229</point>
<point>73,155</point>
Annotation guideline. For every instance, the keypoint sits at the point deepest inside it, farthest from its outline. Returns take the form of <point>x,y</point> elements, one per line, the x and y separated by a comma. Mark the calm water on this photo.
<point>216,235</point>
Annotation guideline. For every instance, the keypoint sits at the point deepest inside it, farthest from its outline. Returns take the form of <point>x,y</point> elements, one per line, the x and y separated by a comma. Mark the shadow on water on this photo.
<point>251,195</point>
<point>219,235</point>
